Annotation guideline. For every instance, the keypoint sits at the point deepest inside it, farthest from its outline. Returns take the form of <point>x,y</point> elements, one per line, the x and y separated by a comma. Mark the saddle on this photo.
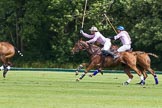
<point>130,50</point>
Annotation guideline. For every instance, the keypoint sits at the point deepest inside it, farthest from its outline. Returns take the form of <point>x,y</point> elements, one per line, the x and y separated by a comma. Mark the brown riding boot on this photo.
<point>113,54</point>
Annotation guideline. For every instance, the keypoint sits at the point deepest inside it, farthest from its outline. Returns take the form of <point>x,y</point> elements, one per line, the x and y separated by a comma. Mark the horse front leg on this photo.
<point>80,67</point>
<point>127,71</point>
<point>86,71</point>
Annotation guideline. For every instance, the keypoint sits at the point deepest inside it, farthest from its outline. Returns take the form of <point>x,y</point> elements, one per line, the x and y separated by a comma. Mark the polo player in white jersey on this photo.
<point>125,39</point>
<point>96,36</point>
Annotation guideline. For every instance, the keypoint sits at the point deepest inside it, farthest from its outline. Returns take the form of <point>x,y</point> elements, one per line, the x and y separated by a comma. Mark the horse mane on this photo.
<point>92,47</point>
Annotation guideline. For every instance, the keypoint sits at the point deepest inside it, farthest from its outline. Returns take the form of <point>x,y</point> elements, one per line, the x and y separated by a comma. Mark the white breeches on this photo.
<point>107,45</point>
<point>124,48</point>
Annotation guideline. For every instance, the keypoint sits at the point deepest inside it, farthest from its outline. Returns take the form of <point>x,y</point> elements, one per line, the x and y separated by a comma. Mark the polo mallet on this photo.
<point>110,23</point>
<point>84,14</point>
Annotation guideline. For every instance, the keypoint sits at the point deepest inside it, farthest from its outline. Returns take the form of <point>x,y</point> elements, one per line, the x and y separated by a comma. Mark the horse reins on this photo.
<point>89,47</point>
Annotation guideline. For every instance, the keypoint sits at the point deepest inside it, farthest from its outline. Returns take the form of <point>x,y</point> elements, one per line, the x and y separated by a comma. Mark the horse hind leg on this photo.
<point>144,74</point>
<point>9,63</point>
<point>148,68</point>
<point>155,76</point>
<point>96,72</point>
<point>99,66</point>
<point>5,71</point>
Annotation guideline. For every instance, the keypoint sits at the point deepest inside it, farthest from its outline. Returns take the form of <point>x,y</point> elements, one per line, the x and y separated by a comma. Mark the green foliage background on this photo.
<point>46,30</point>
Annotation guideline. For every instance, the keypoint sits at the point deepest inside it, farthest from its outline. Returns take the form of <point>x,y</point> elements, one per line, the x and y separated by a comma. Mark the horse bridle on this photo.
<point>88,47</point>
<point>82,46</point>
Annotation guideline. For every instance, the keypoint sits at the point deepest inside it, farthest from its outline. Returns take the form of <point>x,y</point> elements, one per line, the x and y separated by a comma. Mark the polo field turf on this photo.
<point>42,89</point>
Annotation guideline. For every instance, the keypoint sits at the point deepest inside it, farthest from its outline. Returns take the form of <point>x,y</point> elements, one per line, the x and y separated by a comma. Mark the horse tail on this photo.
<point>154,55</point>
<point>19,52</point>
<point>141,52</point>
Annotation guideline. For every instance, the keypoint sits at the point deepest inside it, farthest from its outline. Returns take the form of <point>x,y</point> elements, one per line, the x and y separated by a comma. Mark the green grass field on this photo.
<point>60,90</point>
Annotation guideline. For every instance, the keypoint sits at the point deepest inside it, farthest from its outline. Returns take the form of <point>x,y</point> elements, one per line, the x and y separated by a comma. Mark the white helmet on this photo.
<point>93,29</point>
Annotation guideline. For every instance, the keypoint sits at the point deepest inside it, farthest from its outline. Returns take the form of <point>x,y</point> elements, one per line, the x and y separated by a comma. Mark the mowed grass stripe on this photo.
<point>60,90</point>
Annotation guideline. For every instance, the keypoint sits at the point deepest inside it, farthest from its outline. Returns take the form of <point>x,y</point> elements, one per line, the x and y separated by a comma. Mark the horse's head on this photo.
<point>79,46</point>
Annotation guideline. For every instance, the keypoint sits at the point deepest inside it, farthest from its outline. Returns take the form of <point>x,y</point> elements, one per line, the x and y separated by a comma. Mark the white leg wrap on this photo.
<point>1,67</point>
<point>141,77</point>
<point>8,67</point>
<point>129,80</point>
<point>81,66</point>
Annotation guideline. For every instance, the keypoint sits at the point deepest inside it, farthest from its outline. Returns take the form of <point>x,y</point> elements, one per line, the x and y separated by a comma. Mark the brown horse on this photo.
<point>143,62</point>
<point>7,51</point>
<point>127,58</point>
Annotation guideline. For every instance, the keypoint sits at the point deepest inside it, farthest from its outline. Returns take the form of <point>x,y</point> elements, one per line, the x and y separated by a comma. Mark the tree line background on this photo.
<point>46,30</point>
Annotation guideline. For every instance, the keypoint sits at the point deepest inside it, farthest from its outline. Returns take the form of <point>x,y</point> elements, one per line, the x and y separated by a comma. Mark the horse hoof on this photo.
<point>90,75</point>
<point>76,73</point>
<point>157,83</point>
<point>125,83</point>
<point>142,82</point>
<point>4,76</point>
<point>101,73</point>
<point>156,80</point>
<point>139,83</point>
<point>77,80</point>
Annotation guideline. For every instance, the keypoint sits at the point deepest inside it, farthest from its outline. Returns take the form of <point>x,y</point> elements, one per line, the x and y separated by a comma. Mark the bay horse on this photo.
<point>7,51</point>
<point>127,58</point>
<point>143,62</point>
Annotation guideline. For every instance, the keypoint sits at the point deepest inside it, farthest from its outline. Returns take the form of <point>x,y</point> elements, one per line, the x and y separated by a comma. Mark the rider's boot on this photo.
<point>104,54</point>
<point>114,55</point>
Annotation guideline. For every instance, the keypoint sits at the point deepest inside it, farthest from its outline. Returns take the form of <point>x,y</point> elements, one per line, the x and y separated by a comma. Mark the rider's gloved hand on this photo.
<point>112,38</point>
<point>81,31</point>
